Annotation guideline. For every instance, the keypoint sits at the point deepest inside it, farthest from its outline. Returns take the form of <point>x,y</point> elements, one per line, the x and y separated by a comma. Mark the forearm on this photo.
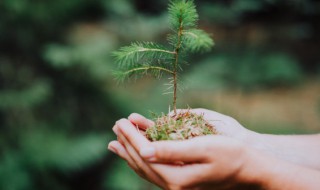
<point>299,149</point>
<point>275,174</point>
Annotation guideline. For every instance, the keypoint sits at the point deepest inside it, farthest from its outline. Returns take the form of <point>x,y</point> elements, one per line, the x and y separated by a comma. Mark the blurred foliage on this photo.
<point>122,173</point>
<point>249,70</point>
<point>233,12</point>
<point>51,117</point>
<point>58,100</point>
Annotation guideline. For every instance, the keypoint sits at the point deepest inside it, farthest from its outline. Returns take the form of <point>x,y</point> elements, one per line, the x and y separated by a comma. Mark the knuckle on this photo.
<point>166,153</point>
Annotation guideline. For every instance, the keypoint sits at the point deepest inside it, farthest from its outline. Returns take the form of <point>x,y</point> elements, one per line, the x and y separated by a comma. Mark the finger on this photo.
<point>132,140</point>
<point>187,151</point>
<point>135,138</point>
<point>115,129</point>
<point>119,149</point>
<point>130,157</point>
<point>140,121</point>
<point>143,168</point>
<point>131,151</point>
<point>143,133</point>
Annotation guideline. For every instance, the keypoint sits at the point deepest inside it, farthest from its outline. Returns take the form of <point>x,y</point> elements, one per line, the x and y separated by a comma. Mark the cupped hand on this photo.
<point>223,124</point>
<point>201,163</point>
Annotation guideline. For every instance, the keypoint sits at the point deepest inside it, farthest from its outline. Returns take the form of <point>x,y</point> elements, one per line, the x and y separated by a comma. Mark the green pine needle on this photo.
<point>183,13</point>
<point>197,40</point>
<point>155,71</point>
<point>148,58</point>
<point>133,54</point>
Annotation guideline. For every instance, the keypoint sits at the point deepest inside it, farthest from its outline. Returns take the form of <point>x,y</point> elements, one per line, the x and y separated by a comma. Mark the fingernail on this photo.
<point>112,149</point>
<point>130,117</point>
<point>115,130</point>
<point>147,152</point>
<point>121,123</point>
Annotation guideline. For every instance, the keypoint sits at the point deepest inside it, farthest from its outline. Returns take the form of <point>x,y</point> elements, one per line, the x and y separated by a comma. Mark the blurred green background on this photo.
<point>58,99</point>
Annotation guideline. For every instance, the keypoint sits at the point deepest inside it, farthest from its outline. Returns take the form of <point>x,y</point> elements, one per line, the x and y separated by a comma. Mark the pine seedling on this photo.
<point>149,58</point>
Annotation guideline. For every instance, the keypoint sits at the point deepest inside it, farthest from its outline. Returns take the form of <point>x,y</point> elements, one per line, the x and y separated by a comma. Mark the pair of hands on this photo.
<point>208,162</point>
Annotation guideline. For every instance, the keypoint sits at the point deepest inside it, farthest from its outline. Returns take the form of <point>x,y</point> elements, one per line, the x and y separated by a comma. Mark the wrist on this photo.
<point>258,142</point>
<point>267,172</point>
<point>257,169</point>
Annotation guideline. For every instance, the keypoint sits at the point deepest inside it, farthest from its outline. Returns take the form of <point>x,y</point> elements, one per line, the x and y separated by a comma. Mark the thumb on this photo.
<point>187,151</point>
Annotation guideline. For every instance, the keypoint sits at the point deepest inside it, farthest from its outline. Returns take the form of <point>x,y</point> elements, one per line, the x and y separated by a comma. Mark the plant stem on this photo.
<point>175,70</point>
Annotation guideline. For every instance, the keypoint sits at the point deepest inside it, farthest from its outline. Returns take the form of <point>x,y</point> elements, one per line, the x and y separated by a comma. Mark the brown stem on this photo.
<point>175,71</point>
<point>175,88</point>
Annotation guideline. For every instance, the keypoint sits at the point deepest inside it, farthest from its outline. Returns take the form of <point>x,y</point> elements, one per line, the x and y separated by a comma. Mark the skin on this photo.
<point>230,160</point>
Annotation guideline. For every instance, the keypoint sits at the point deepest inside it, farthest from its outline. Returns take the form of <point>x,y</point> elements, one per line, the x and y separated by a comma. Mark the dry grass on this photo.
<point>182,126</point>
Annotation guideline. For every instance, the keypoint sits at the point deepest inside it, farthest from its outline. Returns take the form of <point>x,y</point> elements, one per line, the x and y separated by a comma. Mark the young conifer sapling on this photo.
<point>149,58</point>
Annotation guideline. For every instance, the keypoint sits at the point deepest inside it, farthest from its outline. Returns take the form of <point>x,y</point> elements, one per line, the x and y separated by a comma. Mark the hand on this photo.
<point>208,161</point>
<point>224,125</point>
<point>218,161</point>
